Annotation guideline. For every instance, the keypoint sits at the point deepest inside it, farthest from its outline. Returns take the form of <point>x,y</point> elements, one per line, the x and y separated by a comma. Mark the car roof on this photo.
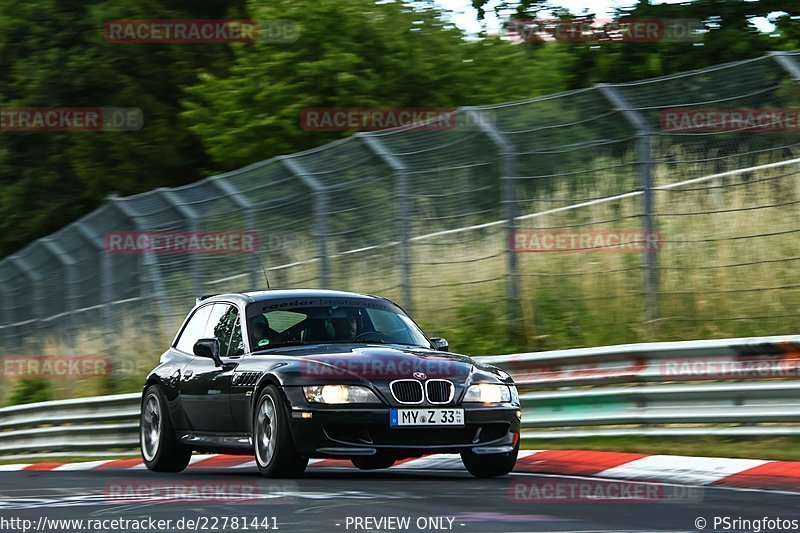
<point>274,294</point>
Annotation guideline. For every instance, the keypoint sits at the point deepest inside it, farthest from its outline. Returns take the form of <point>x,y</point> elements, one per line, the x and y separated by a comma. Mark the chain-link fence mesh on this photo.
<point>519,215</point>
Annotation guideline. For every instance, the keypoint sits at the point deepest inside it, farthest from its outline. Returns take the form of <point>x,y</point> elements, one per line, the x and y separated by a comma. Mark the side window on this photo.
<point>237,342</point>
<point>194,329</point>
<point>222,325</point>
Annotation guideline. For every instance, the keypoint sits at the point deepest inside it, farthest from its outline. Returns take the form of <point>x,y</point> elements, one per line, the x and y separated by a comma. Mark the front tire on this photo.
<point>275,453</point>
<point>161,450</point>
<point>491,465</point>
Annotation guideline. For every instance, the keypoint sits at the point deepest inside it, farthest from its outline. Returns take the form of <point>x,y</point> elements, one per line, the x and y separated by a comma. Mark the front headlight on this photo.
<point>514,394</point>
<point>488,393</point>
<point>336,394</point>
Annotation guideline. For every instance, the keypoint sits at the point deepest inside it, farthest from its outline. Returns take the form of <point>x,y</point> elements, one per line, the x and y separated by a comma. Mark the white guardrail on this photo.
<point>736,387</point>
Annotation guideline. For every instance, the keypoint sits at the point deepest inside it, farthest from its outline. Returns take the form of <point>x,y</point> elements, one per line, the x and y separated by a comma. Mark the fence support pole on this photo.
<point>8,316</point>
<point>320,211</point>
<point>508,172</point>
<point>70,282</point>
<point>787,63</point>
<point>645,163</point>
<point>147,261</point>
<point>188,214</point>
<point>403,214</point>
<point>106,284</point>
<point>243,203</point>
<point>106,272</point>
<point>37,287</point>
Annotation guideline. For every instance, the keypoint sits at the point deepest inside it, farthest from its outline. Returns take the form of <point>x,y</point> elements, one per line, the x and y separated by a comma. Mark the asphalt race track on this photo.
<point>333,499</point>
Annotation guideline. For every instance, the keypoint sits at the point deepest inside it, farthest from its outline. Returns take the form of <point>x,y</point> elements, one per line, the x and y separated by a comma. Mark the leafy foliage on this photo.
<point>214,107</point>
<point>30,391</point>
<point>353,54</point>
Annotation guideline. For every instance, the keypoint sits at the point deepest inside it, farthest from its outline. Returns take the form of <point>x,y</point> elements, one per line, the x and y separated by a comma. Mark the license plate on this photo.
<point>426,417</point>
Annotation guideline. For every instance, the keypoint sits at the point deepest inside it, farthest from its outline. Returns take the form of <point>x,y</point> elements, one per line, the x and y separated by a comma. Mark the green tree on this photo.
<point>729,34</point>
<point>53,54</point>
<point>358,53</point>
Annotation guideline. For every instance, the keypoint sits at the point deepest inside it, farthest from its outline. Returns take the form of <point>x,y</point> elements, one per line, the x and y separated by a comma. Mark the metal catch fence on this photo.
<point>597,216</point>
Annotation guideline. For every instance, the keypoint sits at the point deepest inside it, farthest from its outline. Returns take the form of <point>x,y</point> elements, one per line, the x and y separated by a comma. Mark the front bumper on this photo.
<point>349,431</point>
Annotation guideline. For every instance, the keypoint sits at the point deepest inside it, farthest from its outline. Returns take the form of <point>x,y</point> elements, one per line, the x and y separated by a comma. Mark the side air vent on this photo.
<point>245,379</point>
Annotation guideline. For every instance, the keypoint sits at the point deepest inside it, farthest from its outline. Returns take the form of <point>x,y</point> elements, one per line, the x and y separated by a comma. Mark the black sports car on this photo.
<point>287,375</point>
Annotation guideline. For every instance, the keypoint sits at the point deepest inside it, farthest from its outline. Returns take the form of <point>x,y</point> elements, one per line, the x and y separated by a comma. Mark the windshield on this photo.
<point>287,323</point>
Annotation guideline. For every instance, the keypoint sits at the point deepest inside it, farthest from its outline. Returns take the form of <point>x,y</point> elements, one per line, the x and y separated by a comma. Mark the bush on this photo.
<point>30,391</point>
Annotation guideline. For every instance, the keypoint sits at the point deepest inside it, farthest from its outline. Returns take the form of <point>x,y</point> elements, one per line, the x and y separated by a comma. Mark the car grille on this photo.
<point>407,390</point>
<point>439,391</point>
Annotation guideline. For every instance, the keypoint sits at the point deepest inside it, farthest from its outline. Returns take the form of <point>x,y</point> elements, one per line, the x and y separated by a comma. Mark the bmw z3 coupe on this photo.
<point>288,375</point>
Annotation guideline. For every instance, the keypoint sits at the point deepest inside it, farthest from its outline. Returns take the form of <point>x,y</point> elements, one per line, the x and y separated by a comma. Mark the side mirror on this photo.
<point>440,344</point>
<point>208,348</point>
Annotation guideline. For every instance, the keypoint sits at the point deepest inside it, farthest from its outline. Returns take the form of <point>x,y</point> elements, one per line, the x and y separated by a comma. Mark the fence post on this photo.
<point>508,172</point>
<point>320,212</point>
<point>106,282</point>
<point>403,221</point>
<point>147,261</point>
<point>37,287</point>
<point>243,203</point>
<point>8,316</point>
<point>645,163</point>
<point>787,63</point>
<point>70,282</point>
<point>189,214</point>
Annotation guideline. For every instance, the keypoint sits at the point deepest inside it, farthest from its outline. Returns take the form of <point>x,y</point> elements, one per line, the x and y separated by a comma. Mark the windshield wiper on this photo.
<point>381,342</point>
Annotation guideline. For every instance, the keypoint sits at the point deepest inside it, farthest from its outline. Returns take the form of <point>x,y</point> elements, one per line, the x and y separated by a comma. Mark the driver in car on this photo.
<point>346,328</point>
<point>263,335</point>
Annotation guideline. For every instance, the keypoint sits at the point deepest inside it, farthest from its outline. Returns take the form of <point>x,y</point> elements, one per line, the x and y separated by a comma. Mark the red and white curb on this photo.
<point>707,471</point>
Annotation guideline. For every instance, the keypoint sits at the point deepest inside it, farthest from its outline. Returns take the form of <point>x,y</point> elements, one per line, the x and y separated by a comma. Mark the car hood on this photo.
<point>374,363</point>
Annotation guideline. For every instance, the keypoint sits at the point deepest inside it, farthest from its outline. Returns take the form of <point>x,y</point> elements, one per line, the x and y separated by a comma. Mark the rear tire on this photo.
<point>373,462</point>
<point>275,453</point>
<point>492,465</point>
<point>161,450</point>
